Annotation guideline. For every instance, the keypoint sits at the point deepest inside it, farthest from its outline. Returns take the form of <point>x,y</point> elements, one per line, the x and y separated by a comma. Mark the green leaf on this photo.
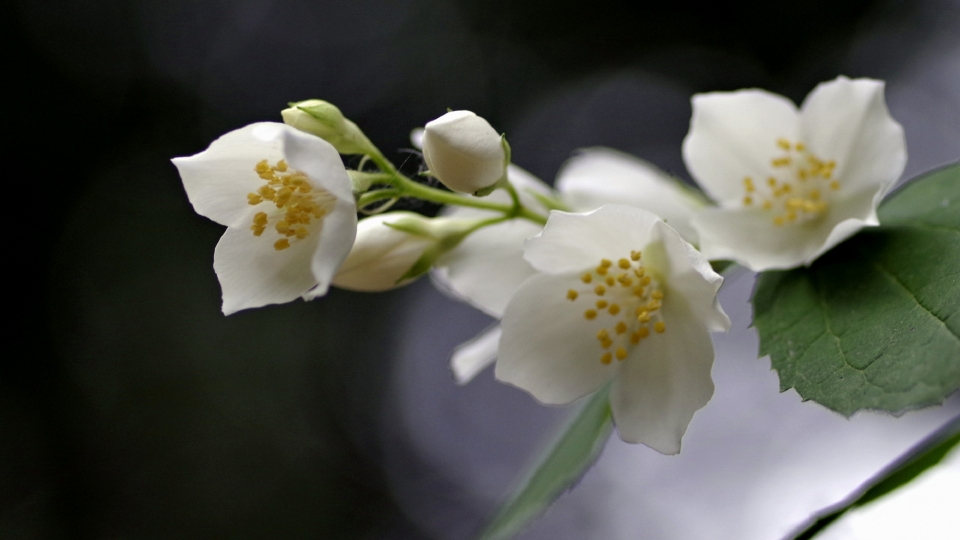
<point>918,459</point>
<point>559,468</point>
<point>874,323</point>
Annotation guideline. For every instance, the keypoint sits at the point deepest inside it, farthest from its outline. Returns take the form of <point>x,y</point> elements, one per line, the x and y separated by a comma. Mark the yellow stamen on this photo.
<point>621,353</point>
<point>587,277</point>
<point>572,294</point>
<point>606,358</point>
<point>614,309</point>
<point>281,244</point>
<point>590,314</point>
<point>599,290</point>
<point>621,328</point>
<point>659,327</point>
<point>623,263</point>
<point>601,304</point>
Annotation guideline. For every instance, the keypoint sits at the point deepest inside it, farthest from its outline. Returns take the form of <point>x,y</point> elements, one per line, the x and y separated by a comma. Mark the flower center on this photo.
<point>629,296</point>
<point>295,202</point>
<point>797,192</point>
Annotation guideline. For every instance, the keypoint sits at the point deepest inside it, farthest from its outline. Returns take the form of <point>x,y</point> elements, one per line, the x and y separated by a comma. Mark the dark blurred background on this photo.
<point>131,408</point>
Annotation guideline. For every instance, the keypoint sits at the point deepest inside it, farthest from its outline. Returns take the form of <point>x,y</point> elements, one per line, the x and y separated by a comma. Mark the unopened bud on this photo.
<point>324,119</point>
<point>464,152</point>
<point>394,249</point>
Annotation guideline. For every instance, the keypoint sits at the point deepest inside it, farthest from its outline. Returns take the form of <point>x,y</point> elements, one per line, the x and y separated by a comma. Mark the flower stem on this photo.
<point>401,186</point>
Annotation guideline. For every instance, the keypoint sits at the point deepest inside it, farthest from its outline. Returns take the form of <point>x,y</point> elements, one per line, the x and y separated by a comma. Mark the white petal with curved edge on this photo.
<point>318,159</point>
<point>690,277</point>
<point>218,179</point>
<point>848,121</point>
<point>548,348</point>
<point>488,266</point>
<point>598,176</point>
<point>750,238</point>
<point>575,242</point>
<point>734,135</point>
<point>252,273</point>
<point>472,357</point>
<point>664,382</point>
<point>860,210</point>
<point>337,232</point>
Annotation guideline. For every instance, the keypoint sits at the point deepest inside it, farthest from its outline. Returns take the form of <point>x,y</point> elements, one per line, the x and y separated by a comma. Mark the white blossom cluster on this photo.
<point>603,280</point>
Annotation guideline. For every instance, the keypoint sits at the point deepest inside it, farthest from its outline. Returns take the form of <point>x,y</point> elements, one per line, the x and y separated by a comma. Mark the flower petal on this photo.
<point>664,381</point>
<point>570,243</point>
<point>488,266</point>
<point>474,356</point>
<point>848,121</point>
<point>598,176</point>
<point>728,137</point>
<point>218,179</point>
<point>338,230</point>
<point>318,159</point>
<point>252,273</point>
<point>749,237</point>
<point>849,215</point>
<point>687,274</point>
<point>548,348</point>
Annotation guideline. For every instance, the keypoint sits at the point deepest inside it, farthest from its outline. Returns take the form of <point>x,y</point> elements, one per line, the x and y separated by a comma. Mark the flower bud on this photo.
<point>464,152</point>
<point>394,249</point>
<point>325,120</point>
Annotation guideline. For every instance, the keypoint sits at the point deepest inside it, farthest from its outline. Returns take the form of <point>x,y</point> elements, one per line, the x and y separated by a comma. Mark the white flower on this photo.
<point>791,184</point>
<point>286,200</point>
<point>463,151</point>
<point>488,266</point>
<point>618,296</point>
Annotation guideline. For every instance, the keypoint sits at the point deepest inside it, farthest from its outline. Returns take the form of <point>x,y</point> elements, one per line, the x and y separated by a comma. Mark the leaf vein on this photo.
<point>893,278</point>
